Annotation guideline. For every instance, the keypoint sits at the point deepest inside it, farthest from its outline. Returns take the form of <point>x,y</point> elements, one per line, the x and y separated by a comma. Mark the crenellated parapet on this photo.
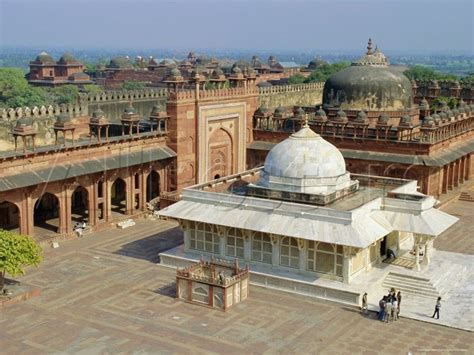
<point>281,89</point>
<point>212,94</point>
<point>12,114</point>
<point>120,95</point>
<point>291,95</point>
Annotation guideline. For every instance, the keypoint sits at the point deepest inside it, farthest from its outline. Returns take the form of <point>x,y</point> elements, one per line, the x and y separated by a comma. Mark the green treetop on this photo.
<point>132,85</point>
<point>320,74</point>
<point>16,252</point>
<point>420,72</point>
<point>15,91</point>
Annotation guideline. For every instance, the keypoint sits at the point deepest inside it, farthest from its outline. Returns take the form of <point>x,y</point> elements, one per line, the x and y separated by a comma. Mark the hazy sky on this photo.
<point>411,25</point>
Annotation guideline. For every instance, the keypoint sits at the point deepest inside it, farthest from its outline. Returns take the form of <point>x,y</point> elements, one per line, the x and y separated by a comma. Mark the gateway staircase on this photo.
<point>466,196</point>
<point>413,285</point>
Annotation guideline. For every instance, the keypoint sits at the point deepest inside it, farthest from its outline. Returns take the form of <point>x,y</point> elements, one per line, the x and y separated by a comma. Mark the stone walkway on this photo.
<point>105,294</point>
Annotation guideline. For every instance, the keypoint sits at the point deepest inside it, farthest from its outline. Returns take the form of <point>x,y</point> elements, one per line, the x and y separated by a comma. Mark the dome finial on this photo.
<point>369,46</point>
<point>305,121</point>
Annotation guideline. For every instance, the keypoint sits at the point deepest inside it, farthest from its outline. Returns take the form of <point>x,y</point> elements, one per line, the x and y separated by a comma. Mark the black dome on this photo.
<point>366,87</point>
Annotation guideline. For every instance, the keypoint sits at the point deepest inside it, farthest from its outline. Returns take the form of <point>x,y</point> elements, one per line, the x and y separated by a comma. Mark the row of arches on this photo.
<point>47,208</point>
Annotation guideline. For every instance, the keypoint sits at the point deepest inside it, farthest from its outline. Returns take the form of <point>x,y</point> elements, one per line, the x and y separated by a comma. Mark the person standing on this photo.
<point>365,306</point>
<point>388,311</point>
<point>437,307</point>
<point>395,309</point>
<point>382,308</point>
<point>399,299</point>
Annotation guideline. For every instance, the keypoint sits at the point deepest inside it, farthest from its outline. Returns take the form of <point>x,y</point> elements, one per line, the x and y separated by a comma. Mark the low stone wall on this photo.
<point>113,103</point>
<point>291,95</point>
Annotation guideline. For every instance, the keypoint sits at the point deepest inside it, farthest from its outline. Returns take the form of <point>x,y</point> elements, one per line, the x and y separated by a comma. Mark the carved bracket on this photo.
<point>301,243</point>
<point>350,251</point>
<point>221,230</point>
<point>274,239</point>
<point>247,234</point>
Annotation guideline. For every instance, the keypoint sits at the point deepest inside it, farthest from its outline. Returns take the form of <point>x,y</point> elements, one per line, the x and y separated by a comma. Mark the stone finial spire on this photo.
<point>369,46</point>
<point>305,121</point>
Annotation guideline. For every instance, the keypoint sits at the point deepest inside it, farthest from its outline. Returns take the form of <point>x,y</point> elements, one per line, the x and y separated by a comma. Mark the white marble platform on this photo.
<point>453,274</point>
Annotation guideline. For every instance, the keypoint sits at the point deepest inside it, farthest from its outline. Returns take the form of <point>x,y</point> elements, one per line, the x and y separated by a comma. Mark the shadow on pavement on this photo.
<point>168,290</point>
<point>149,247</point>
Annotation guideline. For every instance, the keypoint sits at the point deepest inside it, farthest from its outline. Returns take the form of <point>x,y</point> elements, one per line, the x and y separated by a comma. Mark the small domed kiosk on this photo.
<point>24,128</point>
<point>97,122</point>
<point>64,124</point>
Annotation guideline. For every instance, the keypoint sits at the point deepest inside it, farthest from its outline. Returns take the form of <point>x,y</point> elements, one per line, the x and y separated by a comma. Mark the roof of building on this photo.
<point>44,58</point>
<point>306,163</point>
<point>289,65</point>
<point>98,113</point>
<point>60,172</point>
<point>368,84</point>
<point>120,63</point>
<point>357,224</point>
<point>67,58</point>
<point>79,76</point>
<point>24,122</point>
<point>316,63</point>
<point>365,87</point>
<point>63,117</point>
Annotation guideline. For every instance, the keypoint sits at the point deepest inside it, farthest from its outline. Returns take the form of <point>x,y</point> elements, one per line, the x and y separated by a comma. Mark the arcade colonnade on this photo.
<point>328,260</point>
<point>94,198</point>
<point>456,173</point>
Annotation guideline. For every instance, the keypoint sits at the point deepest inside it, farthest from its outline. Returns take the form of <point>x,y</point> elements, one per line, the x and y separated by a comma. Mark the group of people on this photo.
<point>390,306</point>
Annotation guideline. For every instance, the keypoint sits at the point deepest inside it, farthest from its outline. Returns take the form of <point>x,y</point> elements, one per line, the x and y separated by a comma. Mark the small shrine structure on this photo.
<point>216,283</point>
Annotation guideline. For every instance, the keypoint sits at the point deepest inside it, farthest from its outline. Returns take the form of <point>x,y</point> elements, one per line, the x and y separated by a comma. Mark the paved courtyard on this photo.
<point>458,238</point>
<point>105,294</point>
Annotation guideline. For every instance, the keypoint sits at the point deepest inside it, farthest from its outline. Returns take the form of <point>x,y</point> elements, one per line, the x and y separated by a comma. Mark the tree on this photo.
<point>65,94</point>
<point>320,74</point>
<point>325,71</point>
<point>92,89</point>
<point>16,252</point>
<point>468,79</point>
<point>132,85</point>
<point>452,102</point>
<point>15,91</point>
<point>296,79</point>
<point>420,72</point>
<point>212,86</point>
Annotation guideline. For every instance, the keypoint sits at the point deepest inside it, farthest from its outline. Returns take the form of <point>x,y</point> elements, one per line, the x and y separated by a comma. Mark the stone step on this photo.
<point>410,284</point>
<point>464,196</point>
<point>412,291</point>
<point>400,285</point>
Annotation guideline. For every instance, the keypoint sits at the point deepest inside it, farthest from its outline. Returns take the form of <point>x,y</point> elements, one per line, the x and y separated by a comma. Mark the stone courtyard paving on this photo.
<point>104,294</point>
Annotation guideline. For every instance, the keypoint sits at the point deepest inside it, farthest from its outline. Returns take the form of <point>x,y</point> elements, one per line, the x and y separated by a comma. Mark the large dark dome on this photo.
<point>368,84</point>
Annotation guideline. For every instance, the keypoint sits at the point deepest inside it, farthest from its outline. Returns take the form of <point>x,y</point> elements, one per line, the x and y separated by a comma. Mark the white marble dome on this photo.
<point>307,163</point>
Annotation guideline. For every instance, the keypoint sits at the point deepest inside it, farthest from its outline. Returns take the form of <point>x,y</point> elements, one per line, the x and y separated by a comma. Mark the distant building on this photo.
<point>288,68</point>
<point>44,71</point>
